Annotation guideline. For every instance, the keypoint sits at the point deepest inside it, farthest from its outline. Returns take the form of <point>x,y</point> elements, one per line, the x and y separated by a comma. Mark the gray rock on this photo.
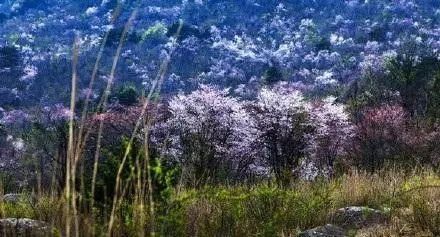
<point>13,197</point>
<point>358,217</point>
<point>23,228</point>
<point>324,231</point>
<point>18,197</point>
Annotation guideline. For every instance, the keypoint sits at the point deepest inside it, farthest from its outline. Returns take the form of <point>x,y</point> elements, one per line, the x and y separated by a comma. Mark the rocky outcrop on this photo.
<point>324,231</point>
<point>358,217</point>
<point>348,219</point>
<point>13,197</point>
<point>17,197</point>
<point>23,227</point>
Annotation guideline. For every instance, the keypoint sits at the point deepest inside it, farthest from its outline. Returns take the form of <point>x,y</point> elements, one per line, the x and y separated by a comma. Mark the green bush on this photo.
<point>260,211</point>
<point>127,95</point>
<point>156,31</point>
<point>272,75</point>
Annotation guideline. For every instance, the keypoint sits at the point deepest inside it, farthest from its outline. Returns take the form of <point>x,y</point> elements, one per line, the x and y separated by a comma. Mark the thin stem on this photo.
<point>157,84</point>
<point>71,134</point>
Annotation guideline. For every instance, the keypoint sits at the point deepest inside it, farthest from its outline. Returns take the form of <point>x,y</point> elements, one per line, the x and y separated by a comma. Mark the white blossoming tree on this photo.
<point>283,121</point>
<point>210,135</point>
<point>333,131</point>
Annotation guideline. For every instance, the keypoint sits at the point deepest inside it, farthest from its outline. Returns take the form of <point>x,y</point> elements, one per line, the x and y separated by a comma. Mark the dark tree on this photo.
<point>127,95</point>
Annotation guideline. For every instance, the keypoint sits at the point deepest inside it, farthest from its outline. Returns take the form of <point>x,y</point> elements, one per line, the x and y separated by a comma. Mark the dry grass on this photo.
<point>260,210</point>
<point>365,189</point>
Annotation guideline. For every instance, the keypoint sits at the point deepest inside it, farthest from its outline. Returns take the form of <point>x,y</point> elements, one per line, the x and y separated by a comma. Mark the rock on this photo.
<point>13,197</point>
<point>18,197</point>
<point>324,231</point>
<point>23,228</point>
<point>358,217</point>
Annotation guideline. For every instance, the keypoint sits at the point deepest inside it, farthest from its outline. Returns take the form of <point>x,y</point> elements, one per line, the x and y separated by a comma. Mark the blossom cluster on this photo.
<point>279,130</point>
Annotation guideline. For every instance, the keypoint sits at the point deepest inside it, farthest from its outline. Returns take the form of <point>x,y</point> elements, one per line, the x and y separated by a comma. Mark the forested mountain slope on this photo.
<point>319,44</point>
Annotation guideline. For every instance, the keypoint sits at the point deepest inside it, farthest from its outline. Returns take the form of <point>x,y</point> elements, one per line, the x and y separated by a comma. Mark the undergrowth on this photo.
<point>262,209</point>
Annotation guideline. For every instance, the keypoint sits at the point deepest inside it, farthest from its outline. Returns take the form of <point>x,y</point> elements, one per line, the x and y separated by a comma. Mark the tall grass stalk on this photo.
<point>70,151</point>
<point>157,84</point>
<point>74,155</point>
<point>82,137</point>
<point>78,140</point>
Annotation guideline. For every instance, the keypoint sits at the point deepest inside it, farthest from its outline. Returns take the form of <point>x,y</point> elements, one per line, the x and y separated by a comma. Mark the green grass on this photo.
<point>264,209</point>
